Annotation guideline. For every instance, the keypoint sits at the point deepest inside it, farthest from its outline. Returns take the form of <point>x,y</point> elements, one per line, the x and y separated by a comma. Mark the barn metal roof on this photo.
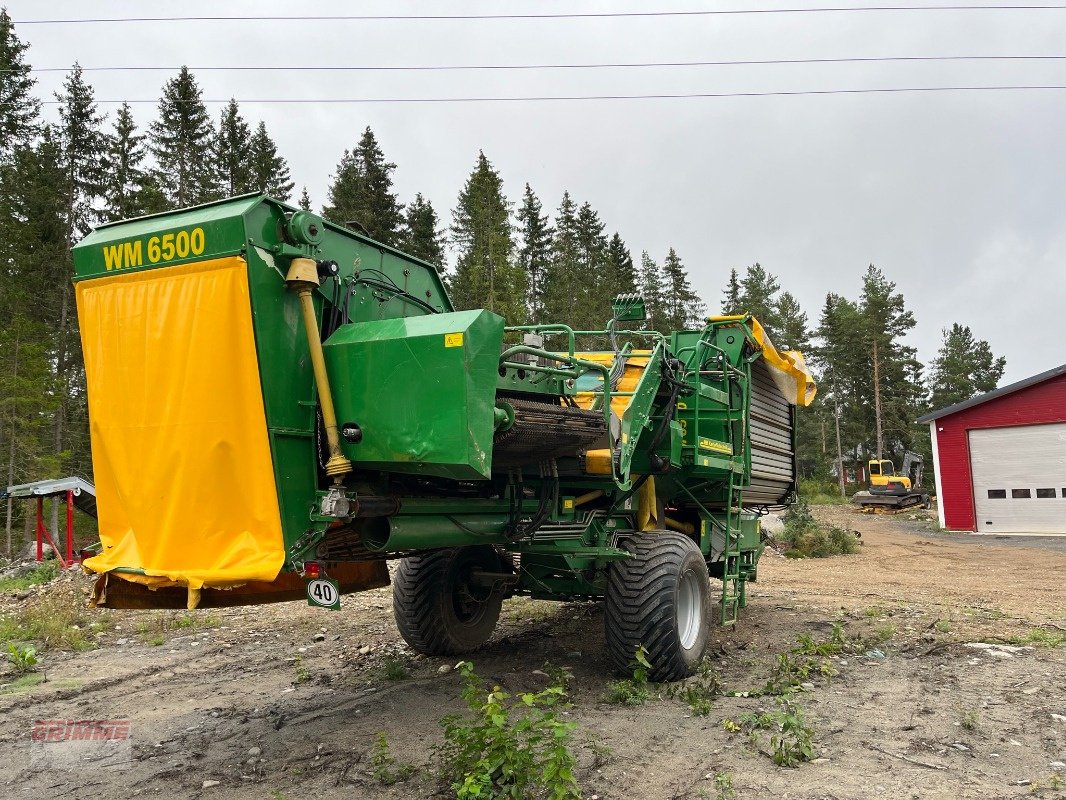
<point>1000,392</point>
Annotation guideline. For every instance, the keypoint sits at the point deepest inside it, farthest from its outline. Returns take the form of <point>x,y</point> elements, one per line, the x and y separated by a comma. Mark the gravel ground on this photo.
<point>286,701</point>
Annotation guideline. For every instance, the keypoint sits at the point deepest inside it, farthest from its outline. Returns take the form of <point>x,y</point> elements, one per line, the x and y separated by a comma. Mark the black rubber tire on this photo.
<point>642,604</point>
<point>428,601</point>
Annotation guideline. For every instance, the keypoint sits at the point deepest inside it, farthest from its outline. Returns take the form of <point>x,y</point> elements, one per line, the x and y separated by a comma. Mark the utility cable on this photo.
<point>555,98</point>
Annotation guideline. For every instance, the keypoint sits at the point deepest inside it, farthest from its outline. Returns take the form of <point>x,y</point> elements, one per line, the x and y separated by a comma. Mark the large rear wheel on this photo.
<point>439,609</point>
<point>659,599</point>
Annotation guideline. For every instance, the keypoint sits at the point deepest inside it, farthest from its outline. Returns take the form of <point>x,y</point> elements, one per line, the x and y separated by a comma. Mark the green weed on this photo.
<point>385,767</point>
<point>510,747</point>
<point>970,720</point>
<point>723,785</point>
<point>395,669</point>
<point>633,691</point>
<point>791,732</point>
<point>23,657</point>
<point>303,675</point>
<point>699,691</point>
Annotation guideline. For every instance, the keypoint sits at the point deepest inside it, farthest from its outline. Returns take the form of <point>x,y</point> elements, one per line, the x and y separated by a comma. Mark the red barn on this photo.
<point>1001,458</point>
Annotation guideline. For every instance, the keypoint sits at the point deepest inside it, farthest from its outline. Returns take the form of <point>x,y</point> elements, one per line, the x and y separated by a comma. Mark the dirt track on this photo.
<point>931,719</point>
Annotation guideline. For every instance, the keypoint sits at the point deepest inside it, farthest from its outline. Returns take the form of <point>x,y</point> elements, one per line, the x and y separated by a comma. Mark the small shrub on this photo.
<point>631,691</point>
<point>510,747</point>
<point>23,658</point>
<point>805,537</point>
<point>384,766</point>
<point>970,720</point>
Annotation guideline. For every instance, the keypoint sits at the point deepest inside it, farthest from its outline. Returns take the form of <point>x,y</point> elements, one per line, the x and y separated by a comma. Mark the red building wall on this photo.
<point>1042,403</point>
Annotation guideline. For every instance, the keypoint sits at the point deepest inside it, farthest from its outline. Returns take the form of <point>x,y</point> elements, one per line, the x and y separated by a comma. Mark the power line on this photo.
<point>576,15</point>
<point>605,65</point>
<point>546,98</point>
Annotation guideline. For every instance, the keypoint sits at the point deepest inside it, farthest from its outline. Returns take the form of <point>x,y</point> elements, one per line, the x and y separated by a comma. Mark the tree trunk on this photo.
<point>877,404</point>
<point>11,454</point>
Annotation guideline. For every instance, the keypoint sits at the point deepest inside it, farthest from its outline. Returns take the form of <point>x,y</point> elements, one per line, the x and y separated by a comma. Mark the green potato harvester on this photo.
<point>279,406</point>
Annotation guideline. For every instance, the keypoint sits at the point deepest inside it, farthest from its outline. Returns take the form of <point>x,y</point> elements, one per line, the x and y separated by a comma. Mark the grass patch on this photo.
<point>806,537</point>
<point>156,628</point>
<point>394,668</point>
<point>821,493</point>
<point>23,683</point>
<point>42,573</point>
<point>54,623</point>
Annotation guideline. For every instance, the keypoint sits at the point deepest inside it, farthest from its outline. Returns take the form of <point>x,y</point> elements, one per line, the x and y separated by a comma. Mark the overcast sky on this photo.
<point>959,197</point>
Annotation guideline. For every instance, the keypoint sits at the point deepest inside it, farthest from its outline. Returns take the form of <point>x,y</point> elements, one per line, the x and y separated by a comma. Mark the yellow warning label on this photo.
<point>453,339</point>
<point>717,447</point>
<point>568,503</point>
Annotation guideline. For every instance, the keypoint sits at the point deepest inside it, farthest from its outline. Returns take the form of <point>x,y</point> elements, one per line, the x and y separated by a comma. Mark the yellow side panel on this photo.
<point>631,375</point>
<point>184,478</point>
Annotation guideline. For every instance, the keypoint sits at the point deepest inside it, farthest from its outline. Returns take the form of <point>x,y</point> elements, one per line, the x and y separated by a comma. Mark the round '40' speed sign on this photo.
<point>324,593</point>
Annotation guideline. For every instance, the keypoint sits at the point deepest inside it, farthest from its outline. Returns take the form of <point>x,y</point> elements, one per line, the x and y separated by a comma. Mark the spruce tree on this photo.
<point>486,273</point>
<point>84,148</point>
<point>361,191</point>
<point>621,273</point>
<point>268,171</point>
<point>731,295</point>
<point>595,293</point>
<point>305,200</point>
<point>127,192</point>
<point>792,332</point>
<point>233,173</point>
<point>181,139</point>
<point>562,293</point>
<point>758,296</point>
<point>885,322</point>
<point>421,236</point>
<point>964,367</point>
<point>682,307</point>
<point>535,253</point>
<point>653,290</point>
<point>19,108</point>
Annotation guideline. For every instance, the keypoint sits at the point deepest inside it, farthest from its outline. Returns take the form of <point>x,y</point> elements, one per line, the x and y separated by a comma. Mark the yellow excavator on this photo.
<point>893,491</point>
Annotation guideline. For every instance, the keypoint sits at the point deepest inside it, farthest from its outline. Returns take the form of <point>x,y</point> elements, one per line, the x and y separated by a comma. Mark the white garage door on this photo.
<point>1019,478</point>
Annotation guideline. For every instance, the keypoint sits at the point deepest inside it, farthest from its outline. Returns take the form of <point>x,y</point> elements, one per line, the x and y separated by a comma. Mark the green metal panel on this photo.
<point>162,240</point>
<point>422,389</point>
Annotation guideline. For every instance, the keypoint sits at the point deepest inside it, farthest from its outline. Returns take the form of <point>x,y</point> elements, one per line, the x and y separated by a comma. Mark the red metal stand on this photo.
<point>42,533</point>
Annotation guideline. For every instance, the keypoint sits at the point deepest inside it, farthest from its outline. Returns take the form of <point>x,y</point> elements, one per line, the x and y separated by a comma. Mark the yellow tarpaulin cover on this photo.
<point>787,367</point>
<point>184,478</point>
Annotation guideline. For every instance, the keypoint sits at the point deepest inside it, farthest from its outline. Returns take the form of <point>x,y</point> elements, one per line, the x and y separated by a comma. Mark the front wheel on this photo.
<point>438,608</point>
<point>659,599</point>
